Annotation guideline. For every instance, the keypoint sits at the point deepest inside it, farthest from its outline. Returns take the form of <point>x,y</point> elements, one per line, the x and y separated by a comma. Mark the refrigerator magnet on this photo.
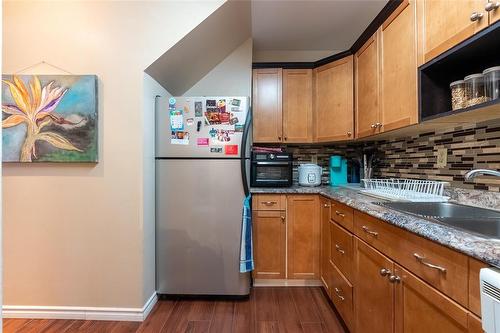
<point>198,109</point>
<point>179,138</point>
<point>231,149</point>
<point>189,121</point>
<point>233,120</point>
<point>186,109</point>
<point>221,105</point>
<point>171,103</point>
<point>235,102</point>
<point>225,117</point>
<point>202,142</point>
<point>176,120</point>
<point>238,128</point>
<point>217,150</point>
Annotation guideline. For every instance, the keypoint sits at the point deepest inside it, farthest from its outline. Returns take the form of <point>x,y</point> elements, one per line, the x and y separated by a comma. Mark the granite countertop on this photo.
<point>482,248</point>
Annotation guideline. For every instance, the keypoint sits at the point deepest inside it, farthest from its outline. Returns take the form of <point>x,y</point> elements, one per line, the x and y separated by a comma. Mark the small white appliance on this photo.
<point>490,299</point>
<point>310,174</point>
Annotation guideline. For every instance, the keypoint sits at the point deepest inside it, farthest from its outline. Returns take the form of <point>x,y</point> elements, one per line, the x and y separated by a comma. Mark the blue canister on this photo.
<point>338,170</point>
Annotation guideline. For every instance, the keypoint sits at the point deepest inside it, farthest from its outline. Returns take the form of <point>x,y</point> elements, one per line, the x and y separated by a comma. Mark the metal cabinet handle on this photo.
<point>339,249</point>
<point>339,213</point>
<point>476,16</point>
<point>349,133</point>
<point>491,6</point>
<point>368,231</point>
<point>269,203</point>
<point>373,126</point>
<point>282,219</point>
<point>326,205</point>
<point>394,279</point>
<point>385,272</point>
<point>279,138</point>
<point>338,293</point>
<point>421,259</point>
<point>378,125</point>
<point>285,138</point>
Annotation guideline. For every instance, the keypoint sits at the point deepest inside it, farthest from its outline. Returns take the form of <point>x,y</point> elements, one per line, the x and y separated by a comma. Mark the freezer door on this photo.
<point>199,135</point>
<point>198,227</point>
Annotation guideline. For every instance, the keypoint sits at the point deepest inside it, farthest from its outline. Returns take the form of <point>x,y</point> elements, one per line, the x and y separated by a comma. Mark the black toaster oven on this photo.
<point>271,169</point>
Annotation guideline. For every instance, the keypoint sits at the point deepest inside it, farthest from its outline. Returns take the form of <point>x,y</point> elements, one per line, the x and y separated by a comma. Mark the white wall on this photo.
<point>291,55</point>
<point>78,235</point>
<point>231,77</point>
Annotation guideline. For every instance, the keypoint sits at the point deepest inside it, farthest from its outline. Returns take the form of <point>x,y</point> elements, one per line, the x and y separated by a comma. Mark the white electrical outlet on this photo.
<point>442,157</point>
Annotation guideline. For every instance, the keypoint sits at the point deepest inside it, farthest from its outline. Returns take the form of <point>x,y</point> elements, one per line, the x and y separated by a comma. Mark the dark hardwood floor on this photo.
<point>298,309</point>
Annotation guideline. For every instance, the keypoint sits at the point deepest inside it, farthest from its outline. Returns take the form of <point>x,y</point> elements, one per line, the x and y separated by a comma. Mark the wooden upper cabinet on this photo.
<point>266,101</point>
<point>334,120</point>
<point>303,220</point>
<point>419,307</point>
<point>366,63</point>
<point>398,50</point>
<point>297,106</point>
<point>269,235</point>
<point>445,23</point>
<point>374,294</point>
<point>325,266</point>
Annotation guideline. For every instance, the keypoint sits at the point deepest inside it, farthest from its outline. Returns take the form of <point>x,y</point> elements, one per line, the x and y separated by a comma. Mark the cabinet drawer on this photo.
<point>342,245</point>
<point>269,202</point>
<point>443,268</point>
<point>342,214</point>
<point>341,293</point>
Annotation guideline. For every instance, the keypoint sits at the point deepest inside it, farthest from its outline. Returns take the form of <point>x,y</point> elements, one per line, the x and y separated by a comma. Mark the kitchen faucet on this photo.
<point>476,172</point>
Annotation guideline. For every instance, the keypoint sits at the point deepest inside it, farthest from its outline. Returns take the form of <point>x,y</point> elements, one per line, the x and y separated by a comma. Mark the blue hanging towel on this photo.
<point>246,250</point>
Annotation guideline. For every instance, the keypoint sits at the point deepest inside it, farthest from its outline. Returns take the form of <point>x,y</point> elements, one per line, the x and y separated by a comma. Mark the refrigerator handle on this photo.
<point>244,140</point>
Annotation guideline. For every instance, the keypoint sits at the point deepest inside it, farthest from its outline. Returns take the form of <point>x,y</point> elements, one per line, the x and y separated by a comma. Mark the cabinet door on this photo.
<point>269,237</point>
<point>445,23</point>
<point>303,236</point>
<point>418,307</point>
<point>367,88</point>
<point>334,101</point>
<point>494,13</point>
<point>373,293</point>
<point>398,48</point>
<point>267,117</point>
<point>325,242</point>
<point>297,105</point>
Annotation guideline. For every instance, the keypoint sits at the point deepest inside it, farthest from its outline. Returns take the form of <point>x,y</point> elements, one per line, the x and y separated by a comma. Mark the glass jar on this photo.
<point>492,82</point>
<point>474,89</point>
<point>458,95</point>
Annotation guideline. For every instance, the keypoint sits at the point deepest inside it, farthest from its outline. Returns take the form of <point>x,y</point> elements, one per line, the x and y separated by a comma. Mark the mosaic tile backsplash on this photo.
<point>469,146</point>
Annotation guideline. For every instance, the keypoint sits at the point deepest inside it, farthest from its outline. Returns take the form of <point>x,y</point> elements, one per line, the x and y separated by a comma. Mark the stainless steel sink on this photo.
<point>483,221</point>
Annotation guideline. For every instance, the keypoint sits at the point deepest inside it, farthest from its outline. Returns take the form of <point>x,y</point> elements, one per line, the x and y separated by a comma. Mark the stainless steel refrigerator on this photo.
<point>202,159</point>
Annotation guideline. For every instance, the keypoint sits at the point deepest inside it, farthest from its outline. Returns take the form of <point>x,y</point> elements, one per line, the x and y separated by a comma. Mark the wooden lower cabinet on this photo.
<point>269,238</point>
<point>324,268</point>
<point>373,292</point>
<point>303,236</point>
<point>418,307</point>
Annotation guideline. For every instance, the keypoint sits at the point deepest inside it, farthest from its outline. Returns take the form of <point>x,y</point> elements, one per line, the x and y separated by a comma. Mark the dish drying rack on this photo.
<point>401,189</point>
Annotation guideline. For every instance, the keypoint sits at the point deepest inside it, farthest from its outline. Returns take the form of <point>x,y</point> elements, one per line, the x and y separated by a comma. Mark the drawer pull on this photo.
<point>421,259</point>
<point>339,249</point>
<point>394,279</point>
<point>269,203</point>
<point>282,219</point>
<point>326,205</point>
<point>369,232</point>
<point>339,213</point>
<point>338,292</point>
<point>385,272</point>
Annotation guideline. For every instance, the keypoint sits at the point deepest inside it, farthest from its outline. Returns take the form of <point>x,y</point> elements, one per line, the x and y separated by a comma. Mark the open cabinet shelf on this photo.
<point>474,55</point>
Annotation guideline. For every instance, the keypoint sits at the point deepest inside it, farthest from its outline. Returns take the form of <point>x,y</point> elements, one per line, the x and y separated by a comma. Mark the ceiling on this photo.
<point>308,29</point>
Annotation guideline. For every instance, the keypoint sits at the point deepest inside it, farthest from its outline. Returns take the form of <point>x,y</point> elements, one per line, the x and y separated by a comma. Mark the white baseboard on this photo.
<point>80,313</point>
<point>286,283</point>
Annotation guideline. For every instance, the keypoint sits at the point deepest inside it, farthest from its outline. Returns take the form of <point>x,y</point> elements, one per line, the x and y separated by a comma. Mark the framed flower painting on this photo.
<point>49,118</point>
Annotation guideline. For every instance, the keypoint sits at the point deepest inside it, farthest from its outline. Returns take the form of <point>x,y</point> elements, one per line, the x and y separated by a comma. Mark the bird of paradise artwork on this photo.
<point>49,118</point>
